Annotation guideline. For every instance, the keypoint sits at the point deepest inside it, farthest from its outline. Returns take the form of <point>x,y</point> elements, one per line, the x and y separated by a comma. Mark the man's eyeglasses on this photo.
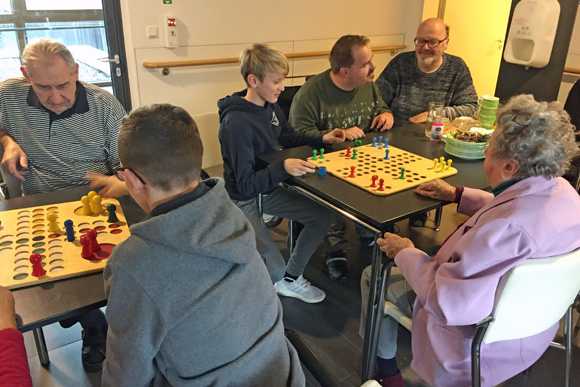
<point>120,173</point>
<point>431,43</point>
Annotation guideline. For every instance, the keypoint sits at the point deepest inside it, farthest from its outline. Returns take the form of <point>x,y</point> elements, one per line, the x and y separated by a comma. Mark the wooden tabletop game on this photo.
<point>47,243</point>
<point>379,168</point>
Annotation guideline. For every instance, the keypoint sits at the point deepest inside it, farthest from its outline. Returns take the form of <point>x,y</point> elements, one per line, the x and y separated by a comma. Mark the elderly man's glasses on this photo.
<point>120,173</point>
<point>431,43</point>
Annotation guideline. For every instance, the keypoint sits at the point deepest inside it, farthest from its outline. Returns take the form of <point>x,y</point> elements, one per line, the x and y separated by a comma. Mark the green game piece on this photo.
<point>353,154</point>
<point>402,173</point>
<point>357,142</point>
<point>322,153</point>
<point>314,152</point>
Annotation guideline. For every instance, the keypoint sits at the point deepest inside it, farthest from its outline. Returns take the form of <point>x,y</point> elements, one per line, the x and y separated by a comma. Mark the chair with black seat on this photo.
<point>11,187</point>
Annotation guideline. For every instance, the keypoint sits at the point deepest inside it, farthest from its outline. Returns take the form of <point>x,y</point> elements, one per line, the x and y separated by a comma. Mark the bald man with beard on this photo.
<point>413,79</point>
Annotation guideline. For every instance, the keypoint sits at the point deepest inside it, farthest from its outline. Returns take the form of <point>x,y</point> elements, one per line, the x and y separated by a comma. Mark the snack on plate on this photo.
<point>469,136</point>
<point>460,123</point>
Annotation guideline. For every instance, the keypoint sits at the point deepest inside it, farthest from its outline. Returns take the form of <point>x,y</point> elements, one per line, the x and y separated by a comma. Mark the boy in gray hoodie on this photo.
<point>190,301</point>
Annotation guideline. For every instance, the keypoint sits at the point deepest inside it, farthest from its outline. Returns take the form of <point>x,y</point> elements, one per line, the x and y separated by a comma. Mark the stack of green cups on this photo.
<point>486,110</point>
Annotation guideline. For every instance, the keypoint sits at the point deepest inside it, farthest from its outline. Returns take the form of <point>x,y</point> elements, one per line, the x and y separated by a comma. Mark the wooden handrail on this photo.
<point>203,62</point>
<point>571,70</point>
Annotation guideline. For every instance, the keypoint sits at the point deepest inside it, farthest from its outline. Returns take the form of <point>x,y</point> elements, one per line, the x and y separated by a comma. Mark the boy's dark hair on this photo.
<point>162,142</point>
<point>341,53</point>
<point>260,59</point>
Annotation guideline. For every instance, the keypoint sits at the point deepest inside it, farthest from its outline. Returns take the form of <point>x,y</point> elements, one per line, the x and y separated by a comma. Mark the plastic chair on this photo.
<point>551,282</point>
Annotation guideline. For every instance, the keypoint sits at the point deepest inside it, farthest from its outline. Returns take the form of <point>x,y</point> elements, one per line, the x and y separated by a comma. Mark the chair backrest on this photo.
<point>12,184</point>
<point>209,125</point>
<point>533,296</point>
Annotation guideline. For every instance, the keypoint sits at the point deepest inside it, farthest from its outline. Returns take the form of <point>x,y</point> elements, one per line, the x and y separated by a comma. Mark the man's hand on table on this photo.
<point>383,121</point>
<point>297,167</point>
<point>334,137</point>
<point>111,186</point>
<point>14,158</point>
<point>437,189</point>
<point>354,133</point>
<point>7,311</point>
<point>419,118</point>
<point>391,244</point>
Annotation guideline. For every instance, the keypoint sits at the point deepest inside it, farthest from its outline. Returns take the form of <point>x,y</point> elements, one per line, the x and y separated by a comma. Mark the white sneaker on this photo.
<point>299,288</point>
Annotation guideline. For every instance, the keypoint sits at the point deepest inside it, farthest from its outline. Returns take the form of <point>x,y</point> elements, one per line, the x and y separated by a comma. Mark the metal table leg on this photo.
<point>41,346</point>
<point>438,214</point>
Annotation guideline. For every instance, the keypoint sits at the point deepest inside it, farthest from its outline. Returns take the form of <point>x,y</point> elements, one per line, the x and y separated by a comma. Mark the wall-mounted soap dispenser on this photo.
<point>532,31</point>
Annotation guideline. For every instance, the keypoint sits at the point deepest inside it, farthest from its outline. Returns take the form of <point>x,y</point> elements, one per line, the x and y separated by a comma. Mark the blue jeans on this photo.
<point>291,205</point>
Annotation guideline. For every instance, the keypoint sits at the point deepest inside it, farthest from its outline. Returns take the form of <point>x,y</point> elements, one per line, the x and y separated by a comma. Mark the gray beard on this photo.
<point>428,61</point>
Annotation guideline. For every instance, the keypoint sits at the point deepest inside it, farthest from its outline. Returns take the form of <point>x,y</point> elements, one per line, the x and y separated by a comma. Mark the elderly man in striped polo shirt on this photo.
<point>59,133</point>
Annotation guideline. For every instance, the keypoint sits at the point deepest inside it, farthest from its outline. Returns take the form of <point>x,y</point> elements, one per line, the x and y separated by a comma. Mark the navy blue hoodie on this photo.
<point>248,131</point>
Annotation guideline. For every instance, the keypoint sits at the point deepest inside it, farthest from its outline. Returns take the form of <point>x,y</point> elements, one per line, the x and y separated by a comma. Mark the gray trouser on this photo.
<point>336,236</point>
<point>399,292</point>
<point>291,205</point>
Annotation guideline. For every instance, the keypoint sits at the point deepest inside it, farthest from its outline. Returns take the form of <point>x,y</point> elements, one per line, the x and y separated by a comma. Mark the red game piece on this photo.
<point>37,269</point>
<point>94,244</point>
<point>352,171</point>
<point>87,252</point>
<point>381,182</point>
<point>347,152</point>
<point>374,178</point>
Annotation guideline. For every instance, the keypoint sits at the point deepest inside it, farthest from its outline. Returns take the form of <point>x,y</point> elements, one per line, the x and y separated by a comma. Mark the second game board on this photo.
<point>370,161</point>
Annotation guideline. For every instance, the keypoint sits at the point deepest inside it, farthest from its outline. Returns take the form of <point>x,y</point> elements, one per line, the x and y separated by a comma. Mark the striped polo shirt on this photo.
<point>61,149</point>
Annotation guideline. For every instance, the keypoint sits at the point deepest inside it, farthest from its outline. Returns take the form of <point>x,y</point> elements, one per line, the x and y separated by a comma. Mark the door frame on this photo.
<point>116,42</point>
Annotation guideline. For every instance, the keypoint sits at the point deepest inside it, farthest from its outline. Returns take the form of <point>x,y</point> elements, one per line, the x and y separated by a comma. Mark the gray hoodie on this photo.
<point>191,303</point>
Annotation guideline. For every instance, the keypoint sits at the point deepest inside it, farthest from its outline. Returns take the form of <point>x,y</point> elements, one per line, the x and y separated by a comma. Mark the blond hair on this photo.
<point>260,59</point>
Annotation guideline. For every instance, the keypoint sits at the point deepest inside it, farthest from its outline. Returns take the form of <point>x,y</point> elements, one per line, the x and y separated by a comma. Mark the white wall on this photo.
<point>222,29</point>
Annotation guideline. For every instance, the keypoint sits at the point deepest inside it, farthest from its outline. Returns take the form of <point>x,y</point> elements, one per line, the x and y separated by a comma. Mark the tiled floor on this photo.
<point>330,328</point>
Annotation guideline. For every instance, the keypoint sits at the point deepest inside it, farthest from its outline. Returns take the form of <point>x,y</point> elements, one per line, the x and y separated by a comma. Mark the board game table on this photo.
<point>43,304</point>
<point>378,212</point>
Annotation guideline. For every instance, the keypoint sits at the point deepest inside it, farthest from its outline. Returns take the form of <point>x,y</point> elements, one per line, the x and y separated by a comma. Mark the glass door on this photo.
<point>78,24</point>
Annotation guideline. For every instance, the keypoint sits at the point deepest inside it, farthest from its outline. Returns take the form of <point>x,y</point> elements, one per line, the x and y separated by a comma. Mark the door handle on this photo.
<point>115,59</point>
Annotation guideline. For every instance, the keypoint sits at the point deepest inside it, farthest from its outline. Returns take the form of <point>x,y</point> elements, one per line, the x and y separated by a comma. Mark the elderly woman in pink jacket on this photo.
<point>532,212</point>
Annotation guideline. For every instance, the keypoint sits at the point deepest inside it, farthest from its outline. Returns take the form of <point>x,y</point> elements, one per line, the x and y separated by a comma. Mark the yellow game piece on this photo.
<point>96,205</point>
<point>91,194</point>
<point>443,165</point>
<point>435,162</point>
<point>449,163</point>
<point>87,210</point>
<point>441,160</point>
<point>52,225</point>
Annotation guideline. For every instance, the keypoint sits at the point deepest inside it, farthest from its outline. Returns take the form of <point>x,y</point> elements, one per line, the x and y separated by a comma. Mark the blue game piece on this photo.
<point>374,142</point>
<point>380,140</point>
<point>386,142</point>
<point>70,232</point>
<point>322,171</point>
<point>387,154</point>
